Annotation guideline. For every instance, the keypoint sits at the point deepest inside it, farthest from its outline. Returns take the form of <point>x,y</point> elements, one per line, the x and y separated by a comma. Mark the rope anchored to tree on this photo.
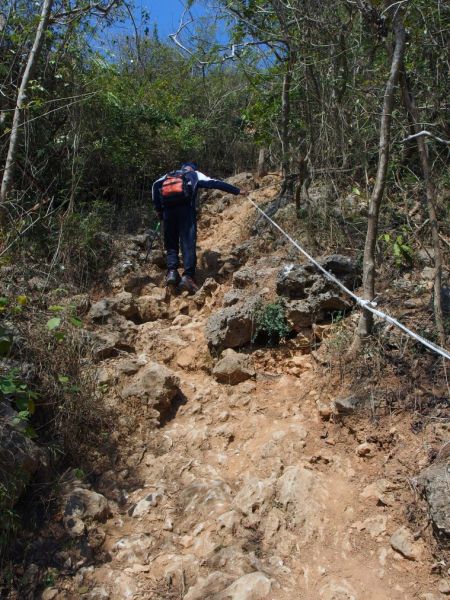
<point>365,304</point>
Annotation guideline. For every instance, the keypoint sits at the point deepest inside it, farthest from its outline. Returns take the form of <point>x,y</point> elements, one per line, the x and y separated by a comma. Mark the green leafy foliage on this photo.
<point>17,392</point>
<point>270,323</point>
<point>399,248</point>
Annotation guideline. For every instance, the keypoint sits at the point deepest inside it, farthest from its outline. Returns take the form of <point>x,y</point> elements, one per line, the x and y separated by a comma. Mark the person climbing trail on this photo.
<point>174,199</point>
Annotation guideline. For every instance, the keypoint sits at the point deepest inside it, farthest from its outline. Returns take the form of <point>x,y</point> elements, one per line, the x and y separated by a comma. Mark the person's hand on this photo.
<point>242,193</point>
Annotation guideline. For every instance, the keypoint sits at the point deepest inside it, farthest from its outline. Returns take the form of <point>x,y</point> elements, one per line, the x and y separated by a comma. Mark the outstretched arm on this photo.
<point>216,184</point>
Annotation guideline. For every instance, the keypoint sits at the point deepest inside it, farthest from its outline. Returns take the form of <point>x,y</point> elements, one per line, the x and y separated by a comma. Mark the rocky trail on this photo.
<point>239,475</point>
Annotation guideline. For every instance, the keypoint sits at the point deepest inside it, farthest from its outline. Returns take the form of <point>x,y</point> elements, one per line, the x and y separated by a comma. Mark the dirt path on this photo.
<point>249,492</point>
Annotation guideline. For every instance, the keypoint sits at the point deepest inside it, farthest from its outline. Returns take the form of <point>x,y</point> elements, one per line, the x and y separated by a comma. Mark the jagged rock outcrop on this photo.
<point>434,483</point>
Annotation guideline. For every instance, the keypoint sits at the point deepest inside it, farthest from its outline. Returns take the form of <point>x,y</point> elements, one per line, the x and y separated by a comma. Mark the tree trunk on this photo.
<point>261,169</point>
<point>411,109</point>
<point>33,57</point>
<point>285,116</point>
<point>366,320</point>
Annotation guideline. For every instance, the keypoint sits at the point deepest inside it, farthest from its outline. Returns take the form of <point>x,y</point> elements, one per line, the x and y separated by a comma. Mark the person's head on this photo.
<point>189,166</point>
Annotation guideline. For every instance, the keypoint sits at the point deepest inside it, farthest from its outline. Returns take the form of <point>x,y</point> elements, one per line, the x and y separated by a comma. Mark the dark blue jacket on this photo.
<point>198,180</point>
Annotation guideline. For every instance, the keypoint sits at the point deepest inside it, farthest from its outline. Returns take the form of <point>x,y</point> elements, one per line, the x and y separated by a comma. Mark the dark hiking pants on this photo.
<point>180,229</point>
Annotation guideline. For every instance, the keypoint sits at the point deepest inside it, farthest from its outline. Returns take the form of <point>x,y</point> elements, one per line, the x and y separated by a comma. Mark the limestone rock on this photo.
<point>205,497</point>
<point>365,450</point>
<point>101,311</point>
<point>119,335</point>
<point>444,586</point>
<point>434,483</point>
<point>294,281</point>
<point>233,297</point>
<point>346,406</point>
<point>207,587</point>
<point>244,277</point>
<point>233,368</point>
<point>381,490</point>
<point>329,301</point>
<point>299,314</point>
<point>338,591</point>
<point>402,541</point>
<point>81,504</point>
<point>151,308</point>
<point>20,458</point>
<point>254,496</point>
<point>134,282</point>
<point>302,492</point>
<point>253,586</point>
<point>125,305</point>
<point>344,268</point>
<point>244,180</point>
<point>105,345</point>
<point>145,504</point>
<point>232,327</point>
<point>99,593</point>
<point>156,385</point>
<point>134,548</point>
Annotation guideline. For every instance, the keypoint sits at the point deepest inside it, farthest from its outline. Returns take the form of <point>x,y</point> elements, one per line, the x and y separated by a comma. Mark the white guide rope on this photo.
<point>366,304</point>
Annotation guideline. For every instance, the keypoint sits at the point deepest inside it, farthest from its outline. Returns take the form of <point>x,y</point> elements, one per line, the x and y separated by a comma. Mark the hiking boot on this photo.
<point>189,284</point>
<point>173,277</point>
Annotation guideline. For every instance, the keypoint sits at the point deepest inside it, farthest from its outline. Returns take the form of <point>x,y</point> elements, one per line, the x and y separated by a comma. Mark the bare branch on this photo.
<point>96,8</point>
<point>234,50</point>
<point>427,134</point>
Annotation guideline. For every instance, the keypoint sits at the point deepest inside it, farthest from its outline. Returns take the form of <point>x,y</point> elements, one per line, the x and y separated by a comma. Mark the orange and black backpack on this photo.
<point>176,188</point>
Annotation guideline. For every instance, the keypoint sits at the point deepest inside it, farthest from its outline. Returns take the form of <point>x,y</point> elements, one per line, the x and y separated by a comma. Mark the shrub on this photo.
<point>270,323</point>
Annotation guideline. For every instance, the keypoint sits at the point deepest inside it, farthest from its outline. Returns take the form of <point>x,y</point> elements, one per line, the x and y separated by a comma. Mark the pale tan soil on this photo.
<point>331,543</point>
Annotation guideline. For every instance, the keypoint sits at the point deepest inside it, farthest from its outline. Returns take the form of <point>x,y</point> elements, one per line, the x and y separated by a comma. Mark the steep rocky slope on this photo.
<point>241,475</point>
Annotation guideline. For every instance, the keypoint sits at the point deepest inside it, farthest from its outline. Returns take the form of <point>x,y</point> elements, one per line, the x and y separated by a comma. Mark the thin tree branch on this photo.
<point>426,134</point>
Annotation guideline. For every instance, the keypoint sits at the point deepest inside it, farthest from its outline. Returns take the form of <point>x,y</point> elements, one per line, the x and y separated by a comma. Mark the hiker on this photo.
<point>174,198</point>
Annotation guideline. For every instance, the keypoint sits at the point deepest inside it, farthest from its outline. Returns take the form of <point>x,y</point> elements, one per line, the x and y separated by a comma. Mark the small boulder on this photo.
<point>345,406</point>
<point>232,327</point>
<point>365,450</point>
<point>253,586</point>
<point>156,385</point>
<point>151,309</point>
<point>402,541</point>
<point>81,504</point>
<point>233,368</point>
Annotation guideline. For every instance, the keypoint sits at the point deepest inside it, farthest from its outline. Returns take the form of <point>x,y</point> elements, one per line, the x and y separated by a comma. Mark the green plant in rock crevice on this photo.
<point>270,322</point>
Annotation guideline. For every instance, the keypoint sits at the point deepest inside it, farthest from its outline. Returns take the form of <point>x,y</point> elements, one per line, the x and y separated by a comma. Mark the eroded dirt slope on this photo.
<point>247,491</point>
